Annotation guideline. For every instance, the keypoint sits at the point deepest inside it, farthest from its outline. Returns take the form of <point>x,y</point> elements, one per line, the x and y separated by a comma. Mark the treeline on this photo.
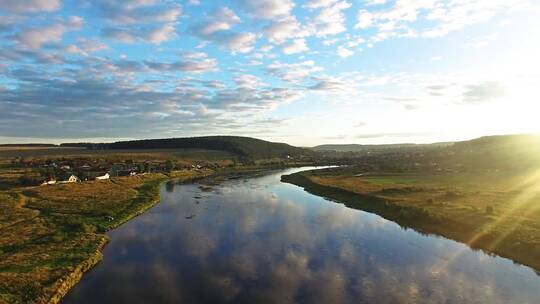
<point>28,145</point>
<point>242,146</point>
<point>95,146</point>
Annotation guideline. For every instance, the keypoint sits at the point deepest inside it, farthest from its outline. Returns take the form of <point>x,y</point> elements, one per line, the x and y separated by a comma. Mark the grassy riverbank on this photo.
<point>51,235</point>
<point>493,211</point>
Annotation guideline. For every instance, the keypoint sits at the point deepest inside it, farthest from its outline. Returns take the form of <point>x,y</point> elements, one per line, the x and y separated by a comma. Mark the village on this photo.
<point>61,171</point>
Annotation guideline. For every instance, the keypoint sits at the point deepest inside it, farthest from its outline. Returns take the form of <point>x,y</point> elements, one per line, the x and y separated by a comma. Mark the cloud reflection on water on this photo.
<point>263,241</point>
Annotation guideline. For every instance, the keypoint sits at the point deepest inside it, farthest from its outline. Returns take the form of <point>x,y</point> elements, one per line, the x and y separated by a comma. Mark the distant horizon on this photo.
<point>30,141</point>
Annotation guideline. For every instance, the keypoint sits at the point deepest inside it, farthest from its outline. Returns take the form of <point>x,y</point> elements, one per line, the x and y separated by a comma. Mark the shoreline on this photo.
<point>415,218</point>
<point>144,201</point>
<point>147,198</point>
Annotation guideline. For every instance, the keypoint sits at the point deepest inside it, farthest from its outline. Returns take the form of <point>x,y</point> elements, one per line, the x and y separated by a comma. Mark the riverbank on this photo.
<point>493,220</point>
<point>51,235</point>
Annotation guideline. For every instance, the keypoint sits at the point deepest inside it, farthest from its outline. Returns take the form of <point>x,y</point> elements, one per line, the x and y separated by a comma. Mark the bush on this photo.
<point>28,181</point>
<point>77,225</point>
<point>489,210</point>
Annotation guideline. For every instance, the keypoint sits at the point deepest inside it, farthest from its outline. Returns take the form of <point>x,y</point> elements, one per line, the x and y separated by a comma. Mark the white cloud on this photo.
<point>85,47</point>
<point>215,29</point>
<point>268,9</point>
<point>343,52</point>
<point>137,11</point>
<point>328,85</point>
<point>481,42</point>
<point>364,19</point>
<point>119,35</point>
<point>297,46</point>
<point>355,41</point>
<point>162,34</point>
<point>249,82</point>
<point>403,18</point>
<point>37,36</point>
<point>238,42</point>
<point>29,6</point>
<point>374,2</point>
<point>330,19</point>
<point>280,30</point>
<point>330,41</point>
<point>319,3</point>
<point>220,20</point>
<point>483,92</point>
<point>293,72</point>
<point>186,64</point>
<point>157,35</point>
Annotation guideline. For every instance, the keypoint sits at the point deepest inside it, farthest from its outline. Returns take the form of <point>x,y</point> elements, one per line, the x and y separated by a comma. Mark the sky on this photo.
<point>302,72</point>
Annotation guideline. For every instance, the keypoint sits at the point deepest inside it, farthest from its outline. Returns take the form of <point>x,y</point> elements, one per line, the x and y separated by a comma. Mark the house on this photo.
<point>49,182</point>
<point>73,179</point>
<point>103,177</point>
<point>127,172</point>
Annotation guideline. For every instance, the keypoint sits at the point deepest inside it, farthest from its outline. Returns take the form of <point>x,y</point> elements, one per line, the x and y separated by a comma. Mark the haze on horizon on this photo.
<point>302,72</point>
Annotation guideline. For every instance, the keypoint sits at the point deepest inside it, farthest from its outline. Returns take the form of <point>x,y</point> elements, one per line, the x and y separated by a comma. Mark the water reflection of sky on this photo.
<point>262,241</point>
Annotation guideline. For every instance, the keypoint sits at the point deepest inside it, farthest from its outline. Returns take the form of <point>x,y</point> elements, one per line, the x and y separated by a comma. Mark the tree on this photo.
<point>169,165</point>
<point>114,171</point>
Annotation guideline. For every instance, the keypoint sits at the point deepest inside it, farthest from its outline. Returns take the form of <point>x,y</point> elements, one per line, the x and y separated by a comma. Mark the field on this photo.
<point>179,154</point>
<point>490,210</point>
<point>50,235</point>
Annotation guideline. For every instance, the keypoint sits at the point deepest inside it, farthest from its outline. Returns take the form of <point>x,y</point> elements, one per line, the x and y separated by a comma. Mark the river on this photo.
<point>258,240</point>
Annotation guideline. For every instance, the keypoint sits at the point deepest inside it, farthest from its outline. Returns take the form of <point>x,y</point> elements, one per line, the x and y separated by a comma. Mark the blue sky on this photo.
<point>302,72</point>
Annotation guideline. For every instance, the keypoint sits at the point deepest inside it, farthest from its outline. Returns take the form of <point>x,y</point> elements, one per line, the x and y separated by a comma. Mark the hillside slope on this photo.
<point>242,146</point>
<point>358,147</point>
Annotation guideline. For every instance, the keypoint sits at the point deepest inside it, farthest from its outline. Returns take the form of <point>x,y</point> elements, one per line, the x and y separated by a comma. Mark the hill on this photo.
<point>242,146</point>
<point>358,147</point>
<point>385,147</point>
<point>513,143</point>
<point>518,152</point>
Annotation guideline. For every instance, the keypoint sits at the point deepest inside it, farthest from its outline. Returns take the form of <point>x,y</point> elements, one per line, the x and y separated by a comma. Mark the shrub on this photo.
<point>77,225</point>
<point>489,210</point>
<point>27,181</point>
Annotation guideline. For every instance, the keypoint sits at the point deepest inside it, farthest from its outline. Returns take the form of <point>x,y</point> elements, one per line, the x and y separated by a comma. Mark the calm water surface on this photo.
<point>258,240</point>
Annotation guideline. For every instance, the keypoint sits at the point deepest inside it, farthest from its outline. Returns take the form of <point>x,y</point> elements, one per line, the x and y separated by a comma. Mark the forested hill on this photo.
<point>512,143</point>
<point>358,148</point>
<point>243,146</point>
<point>504,151</point>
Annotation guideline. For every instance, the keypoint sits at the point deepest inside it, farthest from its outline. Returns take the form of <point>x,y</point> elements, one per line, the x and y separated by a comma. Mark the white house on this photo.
<point>103,177</point>
<point>49,182</point>
<point>71,179</point>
